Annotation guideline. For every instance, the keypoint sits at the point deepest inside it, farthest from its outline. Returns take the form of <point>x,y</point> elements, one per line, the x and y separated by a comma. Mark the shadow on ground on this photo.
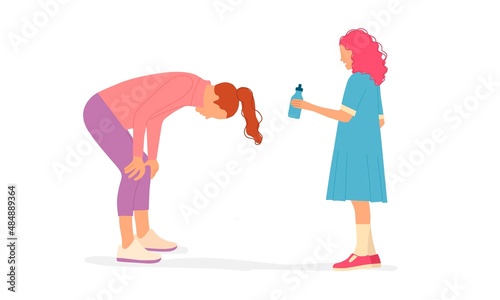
<point>217,264</point>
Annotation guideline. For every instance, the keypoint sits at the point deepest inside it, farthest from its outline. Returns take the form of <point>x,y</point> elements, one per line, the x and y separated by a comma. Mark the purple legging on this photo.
<point>116,142</point>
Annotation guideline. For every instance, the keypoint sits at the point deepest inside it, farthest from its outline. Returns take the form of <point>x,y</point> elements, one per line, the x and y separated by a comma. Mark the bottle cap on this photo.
<point>299,88</point>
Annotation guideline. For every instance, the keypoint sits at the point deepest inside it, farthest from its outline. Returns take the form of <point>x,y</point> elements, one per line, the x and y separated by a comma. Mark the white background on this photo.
<point>439,228</point>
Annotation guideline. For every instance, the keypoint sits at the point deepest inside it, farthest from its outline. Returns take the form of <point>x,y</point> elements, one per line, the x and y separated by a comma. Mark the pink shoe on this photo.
<point>375,260</point>
<point>354,262</point>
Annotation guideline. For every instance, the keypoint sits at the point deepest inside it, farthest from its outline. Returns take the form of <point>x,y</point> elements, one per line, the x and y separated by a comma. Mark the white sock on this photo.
<point>371,246</point>
<point>362,239</point>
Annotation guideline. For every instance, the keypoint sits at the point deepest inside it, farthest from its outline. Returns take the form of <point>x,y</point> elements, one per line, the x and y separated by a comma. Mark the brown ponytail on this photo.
<point>248,112</point>
<point>229,99</point>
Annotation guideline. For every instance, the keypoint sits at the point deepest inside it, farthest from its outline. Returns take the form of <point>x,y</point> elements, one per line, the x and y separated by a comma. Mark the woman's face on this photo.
<point>211,110</point>
<point>346,57</point>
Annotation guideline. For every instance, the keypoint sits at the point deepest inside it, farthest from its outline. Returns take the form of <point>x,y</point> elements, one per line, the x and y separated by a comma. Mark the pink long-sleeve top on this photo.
<point>144,102</point>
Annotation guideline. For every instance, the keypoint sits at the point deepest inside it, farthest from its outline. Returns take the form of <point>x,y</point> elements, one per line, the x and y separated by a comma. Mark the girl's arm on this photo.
<point>155,104</point>
<point>153,128</point>
<point>153,132</point>
<point>177,88</point>
<point>339,115</point>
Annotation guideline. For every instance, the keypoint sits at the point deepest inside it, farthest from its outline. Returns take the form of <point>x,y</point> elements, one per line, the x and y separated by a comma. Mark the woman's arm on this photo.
<point>159,102</point>
<point>339,115</point>
<point>380,109</point>
<point>153,132</point>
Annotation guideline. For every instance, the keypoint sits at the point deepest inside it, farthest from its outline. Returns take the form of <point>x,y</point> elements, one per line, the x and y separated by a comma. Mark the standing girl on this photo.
<point>357,169</point>
<point>142,104</point>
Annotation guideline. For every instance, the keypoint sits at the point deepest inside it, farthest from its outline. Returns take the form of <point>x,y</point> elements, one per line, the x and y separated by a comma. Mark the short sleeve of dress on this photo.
<point>353,94</point>
<point>380,108</point>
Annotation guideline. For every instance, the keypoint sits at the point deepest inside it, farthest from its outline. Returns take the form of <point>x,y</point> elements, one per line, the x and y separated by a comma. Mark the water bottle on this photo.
<point>294,112</point>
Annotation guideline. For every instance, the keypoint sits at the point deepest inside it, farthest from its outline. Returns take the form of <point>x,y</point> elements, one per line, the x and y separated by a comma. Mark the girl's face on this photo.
<point>346,57</point>
<point>211,110</point>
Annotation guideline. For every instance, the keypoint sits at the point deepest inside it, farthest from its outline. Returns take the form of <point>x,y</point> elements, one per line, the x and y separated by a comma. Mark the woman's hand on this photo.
<point>137,166</point>
<point>297,103</point>
<point>381,122</point>
<point>154,167</point>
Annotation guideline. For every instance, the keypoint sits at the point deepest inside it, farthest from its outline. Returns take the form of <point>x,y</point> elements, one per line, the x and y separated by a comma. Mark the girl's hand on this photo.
<point>137,166</point>
<point>297,103</point>
<point>153,165</point>
<point>381,122</point>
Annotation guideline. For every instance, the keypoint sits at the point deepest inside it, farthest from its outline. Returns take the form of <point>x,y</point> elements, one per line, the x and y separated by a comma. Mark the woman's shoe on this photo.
<point>152,242</point>
<point>375,261</point>
<point>135,253</point>
<point>354,262</point>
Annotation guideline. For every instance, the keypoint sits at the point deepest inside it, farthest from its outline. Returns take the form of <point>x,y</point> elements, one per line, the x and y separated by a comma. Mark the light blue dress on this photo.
<point>357,170</point>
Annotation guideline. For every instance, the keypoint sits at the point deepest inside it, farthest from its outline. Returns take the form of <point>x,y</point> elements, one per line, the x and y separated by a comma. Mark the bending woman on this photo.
<point>357,169</point>
<point>142,104</point>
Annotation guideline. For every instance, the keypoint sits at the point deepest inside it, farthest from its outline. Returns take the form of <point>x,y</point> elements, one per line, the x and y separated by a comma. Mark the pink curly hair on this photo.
<point>367,54</point>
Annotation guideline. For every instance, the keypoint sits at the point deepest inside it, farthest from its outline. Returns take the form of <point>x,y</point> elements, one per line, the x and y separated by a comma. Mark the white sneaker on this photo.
<point>152,242</point>
<point>135,253</point>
